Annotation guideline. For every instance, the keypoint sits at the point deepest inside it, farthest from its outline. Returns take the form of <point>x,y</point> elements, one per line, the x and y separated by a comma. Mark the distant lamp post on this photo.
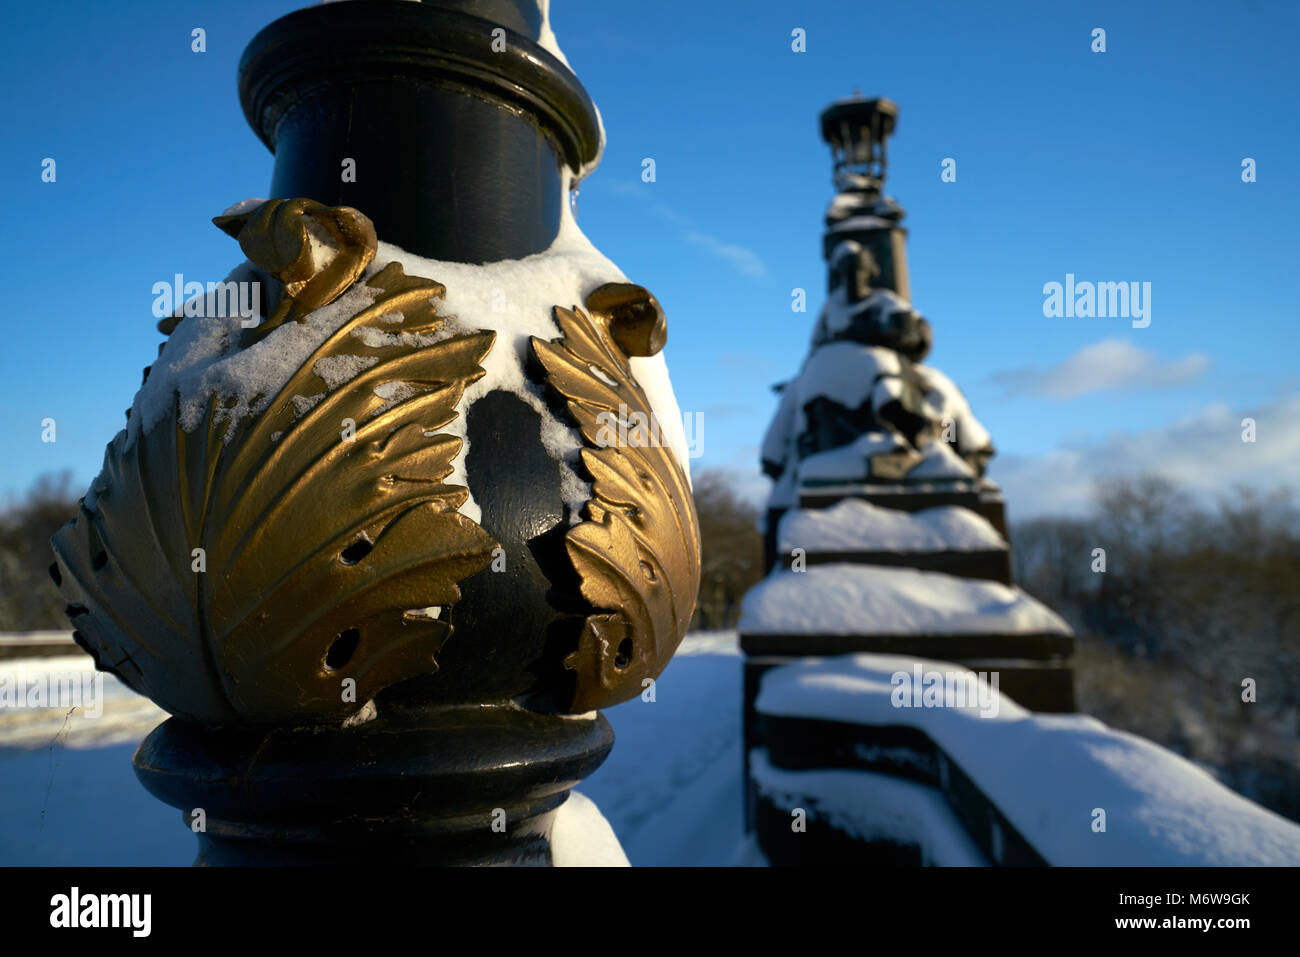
<point>858,132</point>
<point>372,547</point>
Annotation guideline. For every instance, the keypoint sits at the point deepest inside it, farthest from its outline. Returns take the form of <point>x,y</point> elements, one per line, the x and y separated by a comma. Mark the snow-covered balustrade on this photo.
<point>836,609</point>
<point>903,760</point>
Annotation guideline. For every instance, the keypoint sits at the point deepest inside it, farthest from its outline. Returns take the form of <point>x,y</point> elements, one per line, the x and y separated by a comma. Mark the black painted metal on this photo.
<point>511,628</point>
<point>419,787</point>
<point>986,565</point>
<point>803,744</point>
<point>771,532</point>
<point>1047,647</point>
<point>751,732</point>
<point>458,147</point>
<point>821,844</point>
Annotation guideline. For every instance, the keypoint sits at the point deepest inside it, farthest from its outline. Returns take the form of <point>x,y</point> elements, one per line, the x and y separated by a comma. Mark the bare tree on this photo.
<point>1192,634</point>
<point>29,600</point>
<point>732,550</point>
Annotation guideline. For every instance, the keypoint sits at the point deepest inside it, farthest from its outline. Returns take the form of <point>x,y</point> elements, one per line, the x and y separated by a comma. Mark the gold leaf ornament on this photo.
<point>637,551</point>
<point>320,552</point>
<point>316,251</point>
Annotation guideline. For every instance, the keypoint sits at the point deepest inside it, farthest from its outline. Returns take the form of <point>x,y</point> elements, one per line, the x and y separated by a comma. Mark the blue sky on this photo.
<point>1115,166</point>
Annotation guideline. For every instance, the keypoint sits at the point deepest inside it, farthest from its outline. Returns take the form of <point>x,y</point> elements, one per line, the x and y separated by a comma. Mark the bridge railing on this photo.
<point>887,759</point>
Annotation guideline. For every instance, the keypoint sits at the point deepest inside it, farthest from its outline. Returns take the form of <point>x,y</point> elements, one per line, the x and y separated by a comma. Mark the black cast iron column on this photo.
<point>457,133</point>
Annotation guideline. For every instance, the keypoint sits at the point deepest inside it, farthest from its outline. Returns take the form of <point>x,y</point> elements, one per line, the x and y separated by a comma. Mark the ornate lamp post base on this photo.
<point>351,536</point>
<point>468,785</point>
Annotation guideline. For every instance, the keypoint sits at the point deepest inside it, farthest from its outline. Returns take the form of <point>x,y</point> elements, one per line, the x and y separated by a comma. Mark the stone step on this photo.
<point>1026,646</point>
<point>986,565</point>
<point>949,539</point>
<point>988,504</point>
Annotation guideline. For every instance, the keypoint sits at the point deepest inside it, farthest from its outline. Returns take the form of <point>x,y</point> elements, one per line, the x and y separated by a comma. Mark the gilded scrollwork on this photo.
<point>637,549</point>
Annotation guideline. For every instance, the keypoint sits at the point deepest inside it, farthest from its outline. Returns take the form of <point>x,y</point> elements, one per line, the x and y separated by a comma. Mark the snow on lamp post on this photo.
<point>373,547</point>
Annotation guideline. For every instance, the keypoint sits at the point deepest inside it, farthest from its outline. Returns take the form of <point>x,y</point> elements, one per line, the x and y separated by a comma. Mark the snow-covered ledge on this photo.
<point>853,525</point>
<point>1079,792</point>
<point>844,599</point>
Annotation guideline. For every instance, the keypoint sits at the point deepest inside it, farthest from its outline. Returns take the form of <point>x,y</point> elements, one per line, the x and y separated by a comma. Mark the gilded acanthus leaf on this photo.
<point>637,551</point>
<point>321,544</point>
<point>316,251</point>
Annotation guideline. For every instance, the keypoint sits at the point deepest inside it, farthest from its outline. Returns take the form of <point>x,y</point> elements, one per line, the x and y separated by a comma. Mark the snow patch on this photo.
<point>547,41</point>
<point>581,837</point>
<point>244,206</point>
<point>546,36</point>
<point>843,599</point>
<point>950,402</point>
<point>844,372</point>
<point>336,370</point>
<point>939,461</point>
<point>858,526</point>
<point>847,463</point>
<point>202,359</point>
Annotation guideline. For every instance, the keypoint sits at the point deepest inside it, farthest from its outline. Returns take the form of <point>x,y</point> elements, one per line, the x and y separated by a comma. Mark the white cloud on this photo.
<point>1112,364</point>
<point>741,257</point>
<point>1204,453</point>
<point>746,260</point>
